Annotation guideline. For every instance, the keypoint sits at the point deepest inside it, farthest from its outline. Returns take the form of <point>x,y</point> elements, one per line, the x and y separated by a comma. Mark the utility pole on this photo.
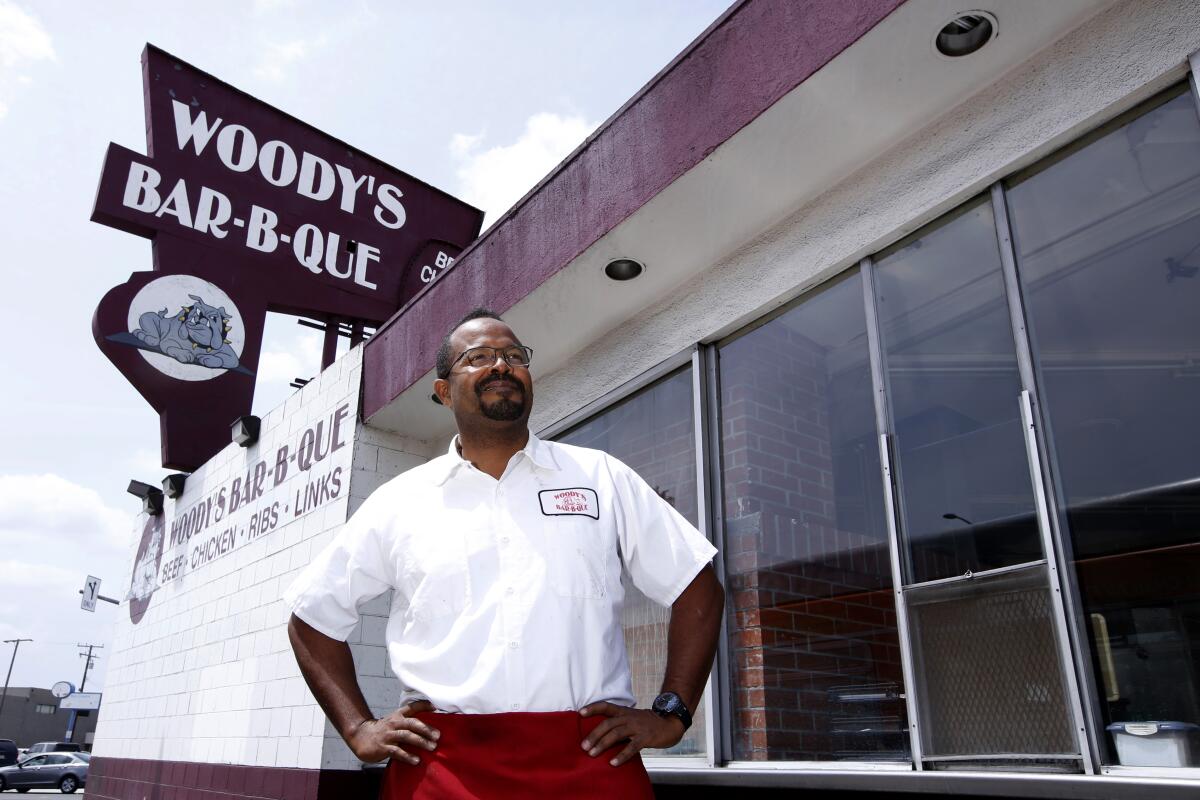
<point>87,665</point>
<point>15,643</point>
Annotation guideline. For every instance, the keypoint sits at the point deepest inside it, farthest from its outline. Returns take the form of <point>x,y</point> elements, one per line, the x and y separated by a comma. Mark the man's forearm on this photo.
<point>328,669</point>
<point>692,637</point>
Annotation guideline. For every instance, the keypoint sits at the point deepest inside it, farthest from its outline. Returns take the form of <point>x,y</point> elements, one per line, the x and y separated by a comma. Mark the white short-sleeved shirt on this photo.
<point>507,594</point>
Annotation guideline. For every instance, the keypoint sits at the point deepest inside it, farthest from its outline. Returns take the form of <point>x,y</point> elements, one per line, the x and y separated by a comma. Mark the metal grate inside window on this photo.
<point>991,686</point>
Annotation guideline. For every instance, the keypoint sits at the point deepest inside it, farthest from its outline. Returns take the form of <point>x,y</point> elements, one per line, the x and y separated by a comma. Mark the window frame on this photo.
<point>692,357</point>
<point>1087,693</point>
<point>793,766</point>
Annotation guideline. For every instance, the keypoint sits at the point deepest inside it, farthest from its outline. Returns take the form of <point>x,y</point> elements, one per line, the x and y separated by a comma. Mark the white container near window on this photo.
<point>1156,744</point>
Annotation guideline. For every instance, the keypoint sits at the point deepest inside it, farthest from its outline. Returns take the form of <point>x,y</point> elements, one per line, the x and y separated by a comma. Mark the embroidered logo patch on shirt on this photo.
<point>559,502</point>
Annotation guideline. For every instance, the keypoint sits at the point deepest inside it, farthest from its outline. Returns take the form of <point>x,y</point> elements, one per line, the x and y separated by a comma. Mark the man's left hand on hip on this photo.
<point>640,726</point>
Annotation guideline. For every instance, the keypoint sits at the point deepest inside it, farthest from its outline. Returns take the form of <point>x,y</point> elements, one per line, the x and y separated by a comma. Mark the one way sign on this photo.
<point>91,590</point>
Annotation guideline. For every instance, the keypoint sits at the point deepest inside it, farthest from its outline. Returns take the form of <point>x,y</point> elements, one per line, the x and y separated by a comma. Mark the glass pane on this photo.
<point>815,653</point>
<point>966,501</point>
<point>1108,249</point>
<point>654,433</point>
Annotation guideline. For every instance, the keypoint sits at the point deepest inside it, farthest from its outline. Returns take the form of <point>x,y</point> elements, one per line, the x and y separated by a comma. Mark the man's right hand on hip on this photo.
<point>397,735</point>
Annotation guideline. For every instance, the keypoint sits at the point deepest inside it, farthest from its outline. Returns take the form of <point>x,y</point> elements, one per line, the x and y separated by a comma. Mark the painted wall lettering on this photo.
<point>305,452</point>
<point>249,505</point>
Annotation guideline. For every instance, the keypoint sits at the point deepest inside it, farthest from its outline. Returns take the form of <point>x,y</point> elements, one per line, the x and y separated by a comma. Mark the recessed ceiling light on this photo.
<point>624,269</point>
<point>965,34</point>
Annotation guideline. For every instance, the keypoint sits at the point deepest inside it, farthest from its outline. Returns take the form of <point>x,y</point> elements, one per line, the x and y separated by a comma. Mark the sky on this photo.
<point>481,99</point>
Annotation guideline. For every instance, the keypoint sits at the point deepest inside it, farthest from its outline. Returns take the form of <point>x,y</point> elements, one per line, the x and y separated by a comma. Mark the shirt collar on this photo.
<point>535,450</point>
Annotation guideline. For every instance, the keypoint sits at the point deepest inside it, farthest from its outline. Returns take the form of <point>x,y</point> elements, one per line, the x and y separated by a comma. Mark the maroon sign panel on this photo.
<point>250,210</point>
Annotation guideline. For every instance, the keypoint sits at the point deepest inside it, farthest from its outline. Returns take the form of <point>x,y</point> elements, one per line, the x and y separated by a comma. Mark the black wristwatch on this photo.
<point>669,704</point>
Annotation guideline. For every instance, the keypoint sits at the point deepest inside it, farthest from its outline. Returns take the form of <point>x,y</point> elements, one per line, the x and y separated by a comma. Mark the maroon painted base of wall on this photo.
<point>141,779</point>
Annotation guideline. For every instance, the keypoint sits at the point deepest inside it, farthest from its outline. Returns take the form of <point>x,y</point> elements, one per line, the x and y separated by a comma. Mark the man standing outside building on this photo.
<point>504,557</point>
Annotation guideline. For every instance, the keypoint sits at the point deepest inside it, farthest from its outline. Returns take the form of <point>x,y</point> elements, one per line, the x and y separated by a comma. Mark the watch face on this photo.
<point>667,703</point>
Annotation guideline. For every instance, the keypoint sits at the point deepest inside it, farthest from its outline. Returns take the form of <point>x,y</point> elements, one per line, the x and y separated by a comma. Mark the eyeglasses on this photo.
<point>478,357</point>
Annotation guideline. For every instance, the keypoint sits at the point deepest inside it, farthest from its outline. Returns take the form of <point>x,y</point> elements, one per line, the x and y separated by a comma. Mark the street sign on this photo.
<point>62,689</point>
<point>91,590</point>
<point>80,701</point>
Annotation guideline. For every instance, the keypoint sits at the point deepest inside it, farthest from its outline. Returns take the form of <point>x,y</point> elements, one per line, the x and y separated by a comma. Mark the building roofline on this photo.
<point>748,59</point>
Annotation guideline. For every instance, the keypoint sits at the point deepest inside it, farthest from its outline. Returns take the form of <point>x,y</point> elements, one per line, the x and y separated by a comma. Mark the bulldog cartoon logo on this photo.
<point>185,327</point>
<point>195,335</point>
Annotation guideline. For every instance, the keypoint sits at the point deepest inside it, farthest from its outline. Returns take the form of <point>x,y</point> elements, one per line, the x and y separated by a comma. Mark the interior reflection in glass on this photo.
<point>652,432</point>
<point>814,646</point>
<point>965,493</point>
<point>1108,250</point>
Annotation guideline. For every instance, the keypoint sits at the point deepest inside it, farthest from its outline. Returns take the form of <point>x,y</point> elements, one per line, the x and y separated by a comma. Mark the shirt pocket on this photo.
<point>438,573</point>
<point>577,556</point>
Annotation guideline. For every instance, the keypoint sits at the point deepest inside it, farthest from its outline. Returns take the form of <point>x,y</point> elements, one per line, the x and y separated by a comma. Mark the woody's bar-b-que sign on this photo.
<point>250,210</point>
<point>293,474</point>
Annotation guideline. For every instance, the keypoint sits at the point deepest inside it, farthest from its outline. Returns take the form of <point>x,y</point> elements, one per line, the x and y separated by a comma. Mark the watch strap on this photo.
<point>669,704</point>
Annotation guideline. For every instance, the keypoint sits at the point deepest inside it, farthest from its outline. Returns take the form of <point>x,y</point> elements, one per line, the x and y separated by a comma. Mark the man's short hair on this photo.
<point>444,353</point>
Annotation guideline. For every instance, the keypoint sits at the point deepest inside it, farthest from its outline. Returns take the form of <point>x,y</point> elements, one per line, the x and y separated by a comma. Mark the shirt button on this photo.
<point>509,590</point>
<point>503,540</point>
<point>513,645</point>
<point>516,706</point>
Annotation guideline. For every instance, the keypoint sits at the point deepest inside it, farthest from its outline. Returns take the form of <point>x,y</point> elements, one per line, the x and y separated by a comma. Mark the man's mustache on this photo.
<point>488,383</point>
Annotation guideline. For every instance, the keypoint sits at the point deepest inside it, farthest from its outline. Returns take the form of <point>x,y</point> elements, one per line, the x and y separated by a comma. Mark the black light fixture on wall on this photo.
<point>245,430</point>
<point>173,485</point>
<point>151,496</point>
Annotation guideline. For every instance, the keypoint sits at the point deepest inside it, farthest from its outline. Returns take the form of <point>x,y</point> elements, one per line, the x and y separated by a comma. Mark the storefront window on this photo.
<point>813,643</point>
<point>654,433</point>
<point>966,501</point>
<point>1108,251</point>
<point>989,682</point>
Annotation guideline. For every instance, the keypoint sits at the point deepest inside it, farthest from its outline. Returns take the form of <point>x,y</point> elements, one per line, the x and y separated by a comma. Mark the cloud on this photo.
<point>145,464</point>
<point>53,510</point>
<point>23,575</point>
<point>299,356</point>
<point>54,533</point>
<point>270,6</point>
<point>277,58</point>
<point>23,41</point>
<point>291,352</point>
<point>494,178</point>
<point>278,365</point>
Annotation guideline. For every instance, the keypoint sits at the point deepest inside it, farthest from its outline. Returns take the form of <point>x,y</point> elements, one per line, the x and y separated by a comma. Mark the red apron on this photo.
<point>519,755</point>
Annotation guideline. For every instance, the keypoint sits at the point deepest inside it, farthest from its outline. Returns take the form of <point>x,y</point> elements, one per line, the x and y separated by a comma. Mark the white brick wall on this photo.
<point>208,674</point>
<point>378,457</point>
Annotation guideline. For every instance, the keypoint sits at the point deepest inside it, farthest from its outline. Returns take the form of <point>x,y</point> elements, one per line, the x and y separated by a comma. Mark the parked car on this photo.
<point>64,771</point>
<point>54,747</point>
<point>8,752</point>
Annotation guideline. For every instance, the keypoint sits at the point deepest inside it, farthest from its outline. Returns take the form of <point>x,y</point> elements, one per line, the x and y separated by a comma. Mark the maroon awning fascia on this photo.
<point>757,52</point>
